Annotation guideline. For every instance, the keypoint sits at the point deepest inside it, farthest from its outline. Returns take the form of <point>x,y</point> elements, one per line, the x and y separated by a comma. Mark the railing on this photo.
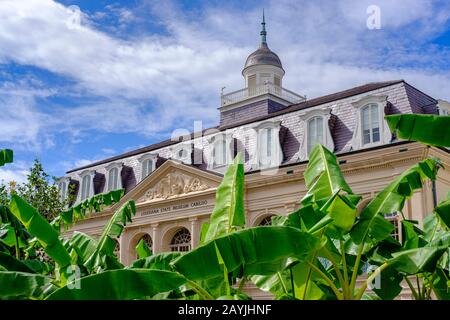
<point>246,93</point>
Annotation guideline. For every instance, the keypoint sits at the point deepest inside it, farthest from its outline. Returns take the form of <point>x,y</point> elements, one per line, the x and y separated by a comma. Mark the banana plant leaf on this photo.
<point>10,263</point>
<point>160,261</point>
<point>142,250</point>
<point>228,213</point>
<point>416,127</point>
<point>113,230</point>
<point>41,229</point>
<point>323,177</point>
<point>371,221</point>
<point>441,286</point>
<point>388,285</point>
<point>91,205</point>
<point>443,211</point>
<point>259,250</point>
<point>125,284</point>
<point>83,244</point>
<point>6,156</point>
<point>417,260</point>
<point>21,285</point>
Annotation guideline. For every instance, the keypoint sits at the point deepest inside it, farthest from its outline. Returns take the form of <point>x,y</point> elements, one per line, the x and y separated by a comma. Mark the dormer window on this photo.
<point>113,180</point>
<point>316,131</point>
<point>182,152</point>
<point>370,124</point>
<point>63,188</point>
<point>220,151</point>
<point>148,164</point>
<point>371,128</point>
<point>268,151</point>
<point>87,186</point>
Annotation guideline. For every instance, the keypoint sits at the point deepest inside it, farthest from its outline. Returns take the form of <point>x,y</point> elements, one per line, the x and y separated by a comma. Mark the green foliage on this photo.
<point>125,284</point>
<point>142,250</point>
<point>22,285</point>
<point>416,127</point>
<point>259,250</point>
<point>228,214</point>
<point>41,193</point>
<point>113,230</point>
<point>392,199</point>
<point>41,229</point>
<point>91,205</point>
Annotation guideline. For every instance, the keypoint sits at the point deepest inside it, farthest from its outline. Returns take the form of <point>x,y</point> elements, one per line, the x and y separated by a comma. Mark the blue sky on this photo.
<point>133,71</point>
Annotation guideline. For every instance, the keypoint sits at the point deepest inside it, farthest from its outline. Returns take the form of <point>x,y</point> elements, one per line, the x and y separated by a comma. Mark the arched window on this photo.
<point>148,164</point>
<point>370,124</point>
<point>113,179</point>
<point>268,149</point>
<point>315,132</point>
<point>220,153</point>
<point>86,187</point>
<point>147,167</point>
<point>62,187</point>
<point>182,152</point>
<point>181,241</point>
<point>267,221</point>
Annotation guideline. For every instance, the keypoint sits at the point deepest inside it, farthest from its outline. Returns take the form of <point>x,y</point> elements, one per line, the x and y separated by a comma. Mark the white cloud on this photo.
<point>16,171</point>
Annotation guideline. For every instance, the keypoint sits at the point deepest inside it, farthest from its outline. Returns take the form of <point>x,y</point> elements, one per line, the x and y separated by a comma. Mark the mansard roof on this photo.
<point>292,108</point>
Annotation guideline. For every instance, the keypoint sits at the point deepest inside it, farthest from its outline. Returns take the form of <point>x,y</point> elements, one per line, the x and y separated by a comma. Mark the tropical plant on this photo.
<point>316,252</point>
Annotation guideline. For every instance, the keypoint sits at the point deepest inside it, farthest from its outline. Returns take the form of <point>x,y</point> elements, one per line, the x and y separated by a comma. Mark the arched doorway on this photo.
<point>181,241</point>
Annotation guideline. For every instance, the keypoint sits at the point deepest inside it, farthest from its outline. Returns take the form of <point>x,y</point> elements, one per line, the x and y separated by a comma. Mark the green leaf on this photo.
<point>417,127</point>
<point>160,261</point>
<point>22,285</point>
<point>259,250</point>
<point>125,284</point>
<point>443,211</point>
<point>391,199</point>
<point>228,213</point>
<point>6,156</point>
<point>10,263</point>
<point>41,229</point>
<point>323,177</point>
<point>418,260</point>
<point>342,211</point>
<point>143,251</point>
<point>113,230</point>
<point>388,286</point>
<point>83,244</point>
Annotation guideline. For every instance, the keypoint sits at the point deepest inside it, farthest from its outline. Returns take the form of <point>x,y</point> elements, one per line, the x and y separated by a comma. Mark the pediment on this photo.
<point>173,180</point>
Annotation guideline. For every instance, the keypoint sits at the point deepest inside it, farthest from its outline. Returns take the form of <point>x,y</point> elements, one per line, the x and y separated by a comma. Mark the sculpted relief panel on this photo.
<point>174,184</point>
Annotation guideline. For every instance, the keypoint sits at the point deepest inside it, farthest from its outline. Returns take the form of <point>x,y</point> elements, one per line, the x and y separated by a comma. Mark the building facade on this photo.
<point>174,182</point>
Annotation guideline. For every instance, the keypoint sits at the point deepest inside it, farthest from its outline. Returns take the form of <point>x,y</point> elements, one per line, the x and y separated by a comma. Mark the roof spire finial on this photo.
<point>263,31</point>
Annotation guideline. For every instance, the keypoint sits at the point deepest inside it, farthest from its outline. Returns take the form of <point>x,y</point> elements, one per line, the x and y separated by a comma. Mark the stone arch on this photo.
<point>135,240</point>
<point>256,218</point>
<point>264,220</point>
<point>169,232</point>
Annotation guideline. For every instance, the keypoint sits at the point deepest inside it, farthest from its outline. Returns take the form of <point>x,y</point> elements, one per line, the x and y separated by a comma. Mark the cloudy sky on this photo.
<point>76,87</point>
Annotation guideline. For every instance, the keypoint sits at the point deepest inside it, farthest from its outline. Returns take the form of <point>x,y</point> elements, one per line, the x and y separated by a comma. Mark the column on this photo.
<point>195,232</point>
<point>124,255</point>
<point>156,238</point>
